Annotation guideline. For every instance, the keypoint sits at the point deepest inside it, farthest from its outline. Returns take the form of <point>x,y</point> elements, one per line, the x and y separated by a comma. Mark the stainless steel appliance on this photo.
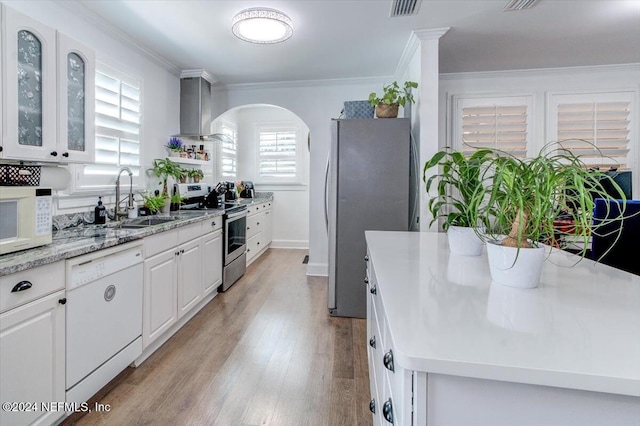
<point>193,194</point>
<point>368,186</point>
<point>235,244</point>
<point>248,191</point>
<point>103,318</point>
<point>25,217</point>
<point>231,194</point>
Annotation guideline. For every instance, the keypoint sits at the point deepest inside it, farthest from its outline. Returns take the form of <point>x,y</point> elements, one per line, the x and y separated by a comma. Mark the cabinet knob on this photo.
<point>248,227</point>
<point>372,342</point>
<point>372,406</point>
<point>373,290</point>
<point>387,411</point>
<point>0,148</point>
<point>177,253</point>
<point>54,153</point>
<point>366,258</point>
<point>63,301</point>
<point>258,243</point>
<point>258,223</point>
<point>65,154</point>
<point>213,223</point>
<point>21,286</point>
<point>182,251</point>
<point>388,360</point>
<point>366,280</point>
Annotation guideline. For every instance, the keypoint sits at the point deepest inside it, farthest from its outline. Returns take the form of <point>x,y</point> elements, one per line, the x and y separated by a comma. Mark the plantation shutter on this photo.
<point>497,123</point>
<point>118,129</point>
<point>277,154</point>
<point>596,131</point>
<point>229,154</point>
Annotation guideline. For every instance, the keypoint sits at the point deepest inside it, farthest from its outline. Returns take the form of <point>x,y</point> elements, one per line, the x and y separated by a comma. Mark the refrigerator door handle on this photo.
<point>326,194</point>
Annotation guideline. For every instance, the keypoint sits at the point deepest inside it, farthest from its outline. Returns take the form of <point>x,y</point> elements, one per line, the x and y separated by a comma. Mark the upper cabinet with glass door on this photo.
<point>29,88</point>
<point>46,118</point>
<point>76,105</point>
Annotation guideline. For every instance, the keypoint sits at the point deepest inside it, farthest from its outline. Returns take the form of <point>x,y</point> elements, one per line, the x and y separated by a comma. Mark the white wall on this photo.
<point>315,103</point>
<point>161,89</point>
<point>290,205</point>
<point>538,83</point>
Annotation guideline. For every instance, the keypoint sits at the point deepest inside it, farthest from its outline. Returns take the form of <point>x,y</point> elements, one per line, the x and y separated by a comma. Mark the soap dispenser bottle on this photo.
<point>100,213</point>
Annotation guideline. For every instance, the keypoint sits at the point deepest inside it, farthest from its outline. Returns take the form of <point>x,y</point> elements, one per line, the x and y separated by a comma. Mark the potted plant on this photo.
<point>525,197</point>
<point>174,146</point>
<point>164,169</point>
<point>176,200</point>
<point>152,203</point>
<point>460,195</point>
<point>196,174</point>
<point>387,105</point>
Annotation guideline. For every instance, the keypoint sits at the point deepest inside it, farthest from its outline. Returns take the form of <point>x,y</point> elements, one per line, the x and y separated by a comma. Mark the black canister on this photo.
<point>100,213</point>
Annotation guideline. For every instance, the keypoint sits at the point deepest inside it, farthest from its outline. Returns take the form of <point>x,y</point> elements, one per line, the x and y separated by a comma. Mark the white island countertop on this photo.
<point>580,329</point>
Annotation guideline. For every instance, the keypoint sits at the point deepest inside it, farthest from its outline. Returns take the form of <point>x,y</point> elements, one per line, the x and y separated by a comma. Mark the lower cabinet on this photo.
<point>160,309</point>
<point>189,276</point>
<point>259,224</point>
<point>32,360</point>
<point>211,269</point>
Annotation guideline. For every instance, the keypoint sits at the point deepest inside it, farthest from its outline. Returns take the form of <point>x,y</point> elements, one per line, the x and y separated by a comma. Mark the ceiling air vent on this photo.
<point>404,7</point>
<point>519,5</point>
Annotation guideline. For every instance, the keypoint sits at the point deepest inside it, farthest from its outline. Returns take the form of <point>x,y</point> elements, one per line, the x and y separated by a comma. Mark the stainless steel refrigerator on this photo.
<point>370,184</point>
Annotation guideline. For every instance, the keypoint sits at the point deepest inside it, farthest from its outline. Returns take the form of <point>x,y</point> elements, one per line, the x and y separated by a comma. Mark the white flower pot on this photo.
<point>464,241</point>
<point>524,273</point>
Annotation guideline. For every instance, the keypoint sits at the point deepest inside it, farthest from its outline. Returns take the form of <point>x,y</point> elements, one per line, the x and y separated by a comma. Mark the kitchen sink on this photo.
<point>144,222</point>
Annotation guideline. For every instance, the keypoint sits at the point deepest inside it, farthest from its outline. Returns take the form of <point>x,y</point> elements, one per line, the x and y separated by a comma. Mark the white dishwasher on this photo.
<point>104,317</point>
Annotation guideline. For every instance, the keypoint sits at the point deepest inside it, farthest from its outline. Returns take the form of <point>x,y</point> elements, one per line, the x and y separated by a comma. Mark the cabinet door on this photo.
<point>160,295</point>
<point>212,261</point>
<point>76,101</point>
<point>32,359</point>
<point>189,276</point>
<point>29,71</point>
<point>267,228</point>
<point>253,248</point>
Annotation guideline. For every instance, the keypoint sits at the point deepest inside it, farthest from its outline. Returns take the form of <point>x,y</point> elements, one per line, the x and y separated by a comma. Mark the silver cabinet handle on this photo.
<point>373,290</point>
<point>366,280</point>
<point>372,406</point>
<point>387,411</point>
<point>366,258</point>
<point>372,342</point>
<point>388,360</point>
<point>21,286</point>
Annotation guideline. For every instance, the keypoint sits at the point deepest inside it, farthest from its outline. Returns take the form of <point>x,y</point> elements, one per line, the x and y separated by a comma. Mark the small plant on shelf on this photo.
<point>196,174</point>
<point>174,146</point>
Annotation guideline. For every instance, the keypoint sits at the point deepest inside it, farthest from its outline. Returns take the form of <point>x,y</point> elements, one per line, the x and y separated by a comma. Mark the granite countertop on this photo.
<point>580,329</point>
<point>80,240</point>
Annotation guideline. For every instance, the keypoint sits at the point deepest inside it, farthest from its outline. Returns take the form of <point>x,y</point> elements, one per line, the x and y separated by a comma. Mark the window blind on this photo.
<point>598,132</point>
<point>277,154</point>
<point>229,155</point>
<point>118,125</point>
<point>502,127</point>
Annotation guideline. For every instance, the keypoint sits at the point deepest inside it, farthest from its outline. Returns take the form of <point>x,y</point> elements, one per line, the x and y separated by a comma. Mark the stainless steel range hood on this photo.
<point>195,104</point>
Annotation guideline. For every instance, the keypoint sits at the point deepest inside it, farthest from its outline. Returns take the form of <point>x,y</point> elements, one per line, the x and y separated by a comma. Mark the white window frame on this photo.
<point>296,180</point>
<point>458,102</point>
<point>220,153</point>
<point>77,171</point>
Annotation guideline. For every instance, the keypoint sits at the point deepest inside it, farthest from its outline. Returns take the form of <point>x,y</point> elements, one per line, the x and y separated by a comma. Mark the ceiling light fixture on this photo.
<point>262,25</point>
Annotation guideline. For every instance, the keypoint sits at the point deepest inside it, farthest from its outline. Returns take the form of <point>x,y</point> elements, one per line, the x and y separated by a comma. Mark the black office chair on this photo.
<point>624,254</point>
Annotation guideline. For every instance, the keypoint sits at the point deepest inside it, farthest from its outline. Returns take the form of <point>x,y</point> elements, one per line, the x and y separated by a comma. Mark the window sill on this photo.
<point>280,186</point>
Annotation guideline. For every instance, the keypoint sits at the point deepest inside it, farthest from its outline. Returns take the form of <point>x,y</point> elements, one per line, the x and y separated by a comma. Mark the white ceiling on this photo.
<point>336,39</point>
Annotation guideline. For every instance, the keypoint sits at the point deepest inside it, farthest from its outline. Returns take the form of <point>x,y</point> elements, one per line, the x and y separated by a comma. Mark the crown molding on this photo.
<point>303,83</point>
<point>537,72</point>
<point>415,38</point>
<point>90,16</point>
<point>199,73</point>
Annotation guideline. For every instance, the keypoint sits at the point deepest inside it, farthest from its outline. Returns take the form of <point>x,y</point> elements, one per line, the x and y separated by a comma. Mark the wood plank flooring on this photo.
<point>266,352</point>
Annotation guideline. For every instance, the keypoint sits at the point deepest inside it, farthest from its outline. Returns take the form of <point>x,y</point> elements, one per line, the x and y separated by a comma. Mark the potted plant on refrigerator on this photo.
<point>460,194</point>
<point>392,96</point>
<point>525,198</point>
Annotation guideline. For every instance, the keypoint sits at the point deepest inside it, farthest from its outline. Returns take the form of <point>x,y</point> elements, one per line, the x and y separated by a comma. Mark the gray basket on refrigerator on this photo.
<point>357,109</point>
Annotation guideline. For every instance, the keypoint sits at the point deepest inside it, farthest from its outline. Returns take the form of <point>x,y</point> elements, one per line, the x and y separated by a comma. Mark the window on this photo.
<point>228,158</point>
<point>277,157</point>
<point>492,122</point>
<point>596,127</point>
<point>118,118</point>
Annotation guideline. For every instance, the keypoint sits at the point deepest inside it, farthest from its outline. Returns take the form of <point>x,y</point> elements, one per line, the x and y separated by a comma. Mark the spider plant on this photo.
<point>526,197</point>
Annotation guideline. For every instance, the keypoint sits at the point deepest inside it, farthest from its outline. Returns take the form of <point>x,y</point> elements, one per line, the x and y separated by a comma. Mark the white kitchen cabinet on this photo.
<point>48,89</point>
<point>32,342</point>
<point>212,261</point>
<point>267,228</point>
<point>76,101</point>
<point>160,302</point>
<point>190,289</point>
<point>29,88</point>
<point>259,230</point>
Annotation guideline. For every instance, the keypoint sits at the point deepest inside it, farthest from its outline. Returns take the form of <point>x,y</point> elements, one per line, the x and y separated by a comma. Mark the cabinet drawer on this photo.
<point>253,209</point>
<point>252,225</point>
<point>160,242</point>
<point>211,224</point>
<point>43,279</point>
<point>189,232</point>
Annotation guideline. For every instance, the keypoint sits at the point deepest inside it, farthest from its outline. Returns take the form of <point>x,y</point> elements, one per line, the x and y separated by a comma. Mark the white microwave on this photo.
<point>25,217</point>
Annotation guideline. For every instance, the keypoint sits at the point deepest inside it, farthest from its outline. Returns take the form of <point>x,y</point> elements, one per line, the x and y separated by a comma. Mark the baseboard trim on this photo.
<point>317,270</point>
<point>290,244</point>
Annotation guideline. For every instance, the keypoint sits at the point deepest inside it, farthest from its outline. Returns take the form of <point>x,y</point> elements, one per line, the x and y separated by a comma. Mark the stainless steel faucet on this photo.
<point>117,212</point>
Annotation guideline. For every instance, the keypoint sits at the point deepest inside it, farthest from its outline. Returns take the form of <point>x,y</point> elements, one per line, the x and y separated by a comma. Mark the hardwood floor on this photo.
<point>266,352</point>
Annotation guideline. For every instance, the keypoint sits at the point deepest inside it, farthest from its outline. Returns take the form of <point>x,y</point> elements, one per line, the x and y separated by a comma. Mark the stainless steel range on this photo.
<point>235,244</point>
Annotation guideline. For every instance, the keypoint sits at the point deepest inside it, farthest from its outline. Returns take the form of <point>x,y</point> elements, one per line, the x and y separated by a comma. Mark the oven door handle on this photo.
<point>236,215</point>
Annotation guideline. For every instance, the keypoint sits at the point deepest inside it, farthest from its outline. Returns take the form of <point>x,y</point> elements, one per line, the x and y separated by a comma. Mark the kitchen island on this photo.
<point>469,351</point>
